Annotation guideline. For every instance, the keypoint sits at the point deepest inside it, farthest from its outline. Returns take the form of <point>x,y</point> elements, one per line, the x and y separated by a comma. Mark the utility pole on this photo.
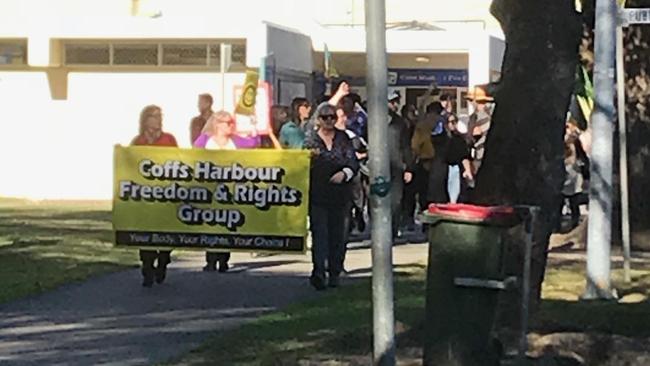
<point>381,235</point>
<point>602,123</point>
<point>622,138</point>
<point>226,60</point>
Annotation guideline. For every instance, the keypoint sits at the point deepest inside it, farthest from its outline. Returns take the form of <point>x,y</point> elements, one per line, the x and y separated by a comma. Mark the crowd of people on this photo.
<point>434,158</point>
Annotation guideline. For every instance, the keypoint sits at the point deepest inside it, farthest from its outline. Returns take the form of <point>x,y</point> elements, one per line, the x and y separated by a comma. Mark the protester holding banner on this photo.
<point>334,164</point>
<point>151,133</point>
<point>219,134</point>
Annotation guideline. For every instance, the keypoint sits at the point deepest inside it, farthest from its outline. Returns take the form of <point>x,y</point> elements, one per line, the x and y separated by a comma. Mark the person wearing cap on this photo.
<point>479,124</point>
<point>401,161</point>
<point>333,166</point>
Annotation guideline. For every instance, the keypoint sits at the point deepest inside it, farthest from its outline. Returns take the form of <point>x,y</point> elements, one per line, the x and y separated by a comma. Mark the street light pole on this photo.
<point>602,123</point>
<point>381,235</point>
<point>622,138</point>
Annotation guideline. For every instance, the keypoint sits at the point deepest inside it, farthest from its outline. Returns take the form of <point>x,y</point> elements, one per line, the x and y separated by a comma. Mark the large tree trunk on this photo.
<point>524,161</point>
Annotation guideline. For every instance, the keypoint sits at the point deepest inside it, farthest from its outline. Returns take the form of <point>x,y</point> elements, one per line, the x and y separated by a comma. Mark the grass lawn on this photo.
<point>44,245</point>
<point>336,329</point>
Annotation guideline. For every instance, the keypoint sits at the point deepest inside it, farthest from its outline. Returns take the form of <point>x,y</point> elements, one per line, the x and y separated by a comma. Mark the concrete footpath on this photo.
<point>112,320</point>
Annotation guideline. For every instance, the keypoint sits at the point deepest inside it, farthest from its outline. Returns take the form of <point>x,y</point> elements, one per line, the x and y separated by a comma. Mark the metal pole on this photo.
<point>531,221</point>
<point>622,137</point>
<point>602,123</point>
<point>382,246</point>
<point>223,75</point>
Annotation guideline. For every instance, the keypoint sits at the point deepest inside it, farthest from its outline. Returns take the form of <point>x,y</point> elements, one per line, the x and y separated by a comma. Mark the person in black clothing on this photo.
<point>399,150</point>
<point>333,165</point>
<point>409,114</point>
<point>457,156</point>
<point>437,190</point>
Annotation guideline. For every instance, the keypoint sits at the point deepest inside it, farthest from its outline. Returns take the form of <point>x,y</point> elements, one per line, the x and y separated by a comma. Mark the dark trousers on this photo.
<point>211,258</point>
<point>149,258</point>
<point>437,190</point>
<point>575,201</point>
<point>327,225</point>
<point>408,203</point>
<point>421,181</point>
<point>396,191</point>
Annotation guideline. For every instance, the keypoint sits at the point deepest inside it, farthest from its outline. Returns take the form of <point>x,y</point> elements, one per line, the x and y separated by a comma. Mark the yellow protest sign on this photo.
<point>206,199</point>
<point>246,104</point>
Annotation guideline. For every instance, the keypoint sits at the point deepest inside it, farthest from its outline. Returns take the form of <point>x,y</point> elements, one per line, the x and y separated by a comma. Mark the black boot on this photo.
<point>211,262</point>
<point>164,258</point>
<point>161,273</point>
<point>148,274</point>
<point>317,282</point>
<point>223,266</point>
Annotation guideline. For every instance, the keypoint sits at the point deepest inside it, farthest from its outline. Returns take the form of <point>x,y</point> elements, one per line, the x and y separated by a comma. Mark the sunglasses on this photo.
<point>326,117</point>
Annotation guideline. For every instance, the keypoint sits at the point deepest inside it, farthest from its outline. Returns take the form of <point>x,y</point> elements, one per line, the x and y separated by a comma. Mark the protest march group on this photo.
<point>307,170</point>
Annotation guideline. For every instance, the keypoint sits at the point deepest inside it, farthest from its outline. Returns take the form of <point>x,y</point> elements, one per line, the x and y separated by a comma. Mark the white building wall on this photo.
<point>63,149</point>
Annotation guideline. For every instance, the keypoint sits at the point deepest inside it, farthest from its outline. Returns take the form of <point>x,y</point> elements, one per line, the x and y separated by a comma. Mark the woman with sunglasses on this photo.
<point>333,166</point>
<point>219,134</point>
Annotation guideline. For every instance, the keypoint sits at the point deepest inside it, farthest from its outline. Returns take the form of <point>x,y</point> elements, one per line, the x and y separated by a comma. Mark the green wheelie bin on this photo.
<point>464,277</point>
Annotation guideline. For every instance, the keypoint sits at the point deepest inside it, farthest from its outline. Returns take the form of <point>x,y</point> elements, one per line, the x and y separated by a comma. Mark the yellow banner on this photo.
<point>206,199</point>
<point>246,104</point>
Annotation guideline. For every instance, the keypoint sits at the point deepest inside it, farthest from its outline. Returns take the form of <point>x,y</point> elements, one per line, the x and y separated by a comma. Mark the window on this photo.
<point>215,55</point>
<point>13,52</point>
<point>135,54</point>
<point>179,54</point>
<point>87,54</point>
<point>239,54</point>
<point>152,53</point>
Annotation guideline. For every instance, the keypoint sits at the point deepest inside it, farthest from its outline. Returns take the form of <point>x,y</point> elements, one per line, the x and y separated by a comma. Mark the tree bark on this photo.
<point>524,161</point>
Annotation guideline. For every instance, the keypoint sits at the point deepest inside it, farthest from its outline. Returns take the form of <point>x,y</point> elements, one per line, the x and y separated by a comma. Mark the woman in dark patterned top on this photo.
<point>333,165</point>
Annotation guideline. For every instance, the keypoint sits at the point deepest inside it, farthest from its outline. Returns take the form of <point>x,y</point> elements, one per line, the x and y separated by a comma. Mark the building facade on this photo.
<point>74,74</point>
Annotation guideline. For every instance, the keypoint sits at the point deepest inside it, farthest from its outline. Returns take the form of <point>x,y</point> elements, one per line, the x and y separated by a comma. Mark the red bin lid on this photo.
<point>472,213</point>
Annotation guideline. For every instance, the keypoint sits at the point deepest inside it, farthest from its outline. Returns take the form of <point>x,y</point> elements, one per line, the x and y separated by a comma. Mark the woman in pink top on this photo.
<point>219,134</point>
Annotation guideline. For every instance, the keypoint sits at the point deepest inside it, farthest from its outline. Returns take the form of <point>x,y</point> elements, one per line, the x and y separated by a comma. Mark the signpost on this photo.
<point>626,17</point>
<point>602,122</point>
<point>382,246</point>
<point>634,16</point>
<point>226,60</point>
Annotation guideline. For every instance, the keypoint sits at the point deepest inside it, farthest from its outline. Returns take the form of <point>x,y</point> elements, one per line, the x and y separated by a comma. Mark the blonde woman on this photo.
<point>219,134</point>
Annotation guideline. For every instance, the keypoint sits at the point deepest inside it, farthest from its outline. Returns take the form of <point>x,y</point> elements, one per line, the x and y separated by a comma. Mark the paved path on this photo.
<point>112,320</point>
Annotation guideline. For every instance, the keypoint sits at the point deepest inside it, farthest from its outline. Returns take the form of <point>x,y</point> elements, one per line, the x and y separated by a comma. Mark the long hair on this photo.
<point>296,103</point>
<point>147,112</point>
<point>279,116</point>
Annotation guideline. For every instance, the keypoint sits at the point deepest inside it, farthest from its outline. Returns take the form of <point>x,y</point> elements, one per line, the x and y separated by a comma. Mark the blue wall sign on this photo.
<point>424,77</point>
